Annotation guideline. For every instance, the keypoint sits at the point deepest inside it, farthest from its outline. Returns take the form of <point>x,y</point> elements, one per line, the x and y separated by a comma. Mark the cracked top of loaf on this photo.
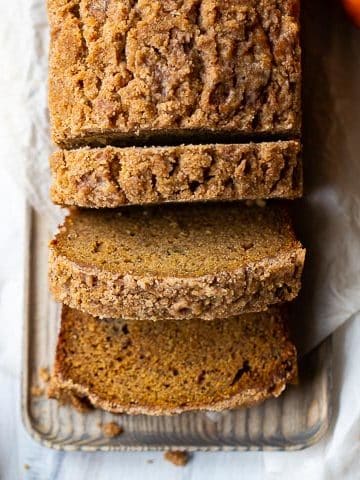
<point>124,70</point>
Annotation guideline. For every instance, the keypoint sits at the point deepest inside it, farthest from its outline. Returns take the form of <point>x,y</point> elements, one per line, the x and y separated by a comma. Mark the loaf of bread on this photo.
<point>124,71</point>
<point>176,261</point>
<point>172,308</point>
<point>173,366</point>
<point>112,177</point>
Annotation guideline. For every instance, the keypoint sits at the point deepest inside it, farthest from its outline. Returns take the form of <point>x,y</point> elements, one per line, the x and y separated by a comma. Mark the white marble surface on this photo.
<point>336,457</point>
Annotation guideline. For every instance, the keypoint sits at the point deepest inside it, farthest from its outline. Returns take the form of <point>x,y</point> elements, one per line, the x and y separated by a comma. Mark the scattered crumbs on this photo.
<point>44,374</point>
<point>180,459</point>
<point>26,466</point>
<point>111,429</point>
<point>81,404</point>
<point>37,391</point>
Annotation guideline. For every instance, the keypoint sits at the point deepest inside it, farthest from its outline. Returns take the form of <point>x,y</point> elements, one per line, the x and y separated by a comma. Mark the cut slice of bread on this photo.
<point>176,261</point>
<point>112,177</point>
<point>173,366</point>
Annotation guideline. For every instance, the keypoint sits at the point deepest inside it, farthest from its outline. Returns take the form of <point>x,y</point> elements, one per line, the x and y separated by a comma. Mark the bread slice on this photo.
<point>176,261</point>
<point>139,71</point>
<point>173,366</point>
<point>112,177</point>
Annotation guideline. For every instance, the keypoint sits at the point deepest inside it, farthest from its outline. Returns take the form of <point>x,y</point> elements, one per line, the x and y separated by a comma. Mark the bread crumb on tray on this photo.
<point>180,459</point>
<point>44,374</point>
<point>37,391</point>
<point>111,429</point>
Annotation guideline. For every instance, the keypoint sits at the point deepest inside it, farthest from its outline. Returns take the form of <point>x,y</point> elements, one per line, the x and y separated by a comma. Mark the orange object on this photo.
<point>353,9</point>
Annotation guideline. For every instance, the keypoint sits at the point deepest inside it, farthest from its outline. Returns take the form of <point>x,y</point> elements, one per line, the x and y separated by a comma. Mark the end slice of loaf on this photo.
<point>112,177</point>
<point>176,261</point>
<point>131,71</point>
<point>171,367</point>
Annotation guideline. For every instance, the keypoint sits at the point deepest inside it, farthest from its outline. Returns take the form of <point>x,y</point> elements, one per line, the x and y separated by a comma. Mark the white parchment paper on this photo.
<point>329,216</point>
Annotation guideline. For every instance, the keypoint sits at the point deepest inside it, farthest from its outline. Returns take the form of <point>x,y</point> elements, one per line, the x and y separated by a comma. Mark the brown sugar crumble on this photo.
<point>122,70</point>
<point>111,177</point>
<point>112,429</point>
<point>44,374</point>
<point>64,397</point>
<point>37,391</point>
<point>82,405</point>
<point>180,459</point>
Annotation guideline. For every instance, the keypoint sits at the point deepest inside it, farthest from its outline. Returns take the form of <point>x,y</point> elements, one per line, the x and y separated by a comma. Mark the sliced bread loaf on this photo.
<point>173,366</point>
<point>111,177</point>
<point>184,261</point>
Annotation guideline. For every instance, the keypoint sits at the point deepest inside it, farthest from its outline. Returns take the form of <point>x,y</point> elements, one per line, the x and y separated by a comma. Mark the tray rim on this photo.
<point>39,437</point>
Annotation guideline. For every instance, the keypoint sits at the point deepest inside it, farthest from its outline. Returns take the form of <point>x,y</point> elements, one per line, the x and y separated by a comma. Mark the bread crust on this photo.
<point>247,398</point>
<point>105,294</point>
